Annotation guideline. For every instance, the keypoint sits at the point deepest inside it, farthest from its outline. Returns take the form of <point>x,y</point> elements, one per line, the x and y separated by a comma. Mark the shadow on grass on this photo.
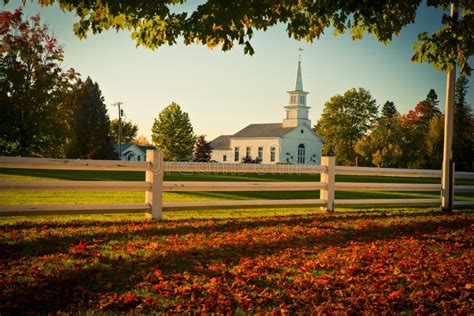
<point>80,284</point>
<point>126,230</point>
<point>73,289</point>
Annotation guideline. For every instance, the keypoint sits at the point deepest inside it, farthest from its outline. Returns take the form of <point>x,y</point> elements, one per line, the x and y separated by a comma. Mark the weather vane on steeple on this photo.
<point>300,49</point>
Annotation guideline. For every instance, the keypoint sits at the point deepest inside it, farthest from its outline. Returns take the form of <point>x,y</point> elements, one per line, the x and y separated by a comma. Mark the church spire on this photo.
<point>297,110</point>
<point>299,77</point>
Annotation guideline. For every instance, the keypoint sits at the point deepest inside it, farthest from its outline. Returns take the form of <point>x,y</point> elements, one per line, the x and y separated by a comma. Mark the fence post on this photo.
<point>328,177</point>
<point>154,175</point>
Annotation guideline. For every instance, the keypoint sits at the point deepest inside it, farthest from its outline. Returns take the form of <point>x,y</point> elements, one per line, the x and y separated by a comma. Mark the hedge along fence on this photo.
<point>154,186</point>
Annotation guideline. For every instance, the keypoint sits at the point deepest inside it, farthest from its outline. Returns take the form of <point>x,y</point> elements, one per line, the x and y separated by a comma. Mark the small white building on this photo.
<point>132,152</point>
<point>292,141</point>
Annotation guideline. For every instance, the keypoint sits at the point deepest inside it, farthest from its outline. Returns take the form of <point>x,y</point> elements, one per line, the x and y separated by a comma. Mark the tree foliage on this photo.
<point>141,141</point>
<point>388,110</point>
<point>383,146</point>
<point>463,141</point>
<point>345,119</point>
<point>428,108</point>
<point>173,133</point>
<point>202,149</point>
<point>129,131</point>
<point>432,99</point>
<point>434,143</point>
<point>412,140</point>
<point>91,124</point>
<point>33,120</point>
<point>226,23</point>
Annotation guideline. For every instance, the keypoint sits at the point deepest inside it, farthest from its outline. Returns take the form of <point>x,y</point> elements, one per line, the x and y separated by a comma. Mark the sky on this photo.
<point>225,91</point>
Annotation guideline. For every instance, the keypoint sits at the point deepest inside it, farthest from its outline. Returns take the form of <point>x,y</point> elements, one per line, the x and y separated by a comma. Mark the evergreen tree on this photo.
<point>91,123</point>
<point>344,121</point>
<point>428,108</point>
<point>432,99</point>
<point>202,149</point>
<point>388,110</point>
<point>463,142</point>
<point>173,133</point>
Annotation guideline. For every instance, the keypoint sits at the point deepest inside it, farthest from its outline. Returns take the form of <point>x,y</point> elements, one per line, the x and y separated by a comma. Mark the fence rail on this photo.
<point>154,186</point>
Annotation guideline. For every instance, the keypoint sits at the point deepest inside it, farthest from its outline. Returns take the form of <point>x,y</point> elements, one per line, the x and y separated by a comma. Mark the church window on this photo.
<point>302,99</point>
<point>302,131</point>
<point>224,158</point>
<point>236,154</point>
<point>260,153</point>
<point>293,99</point>
<point>272,154</point>
<point>138,158</point>
<point>247,152</point>
<point>301,154</point>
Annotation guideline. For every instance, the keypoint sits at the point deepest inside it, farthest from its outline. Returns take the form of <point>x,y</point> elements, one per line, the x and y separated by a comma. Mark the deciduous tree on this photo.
<point>345,119</point>
<point>34,117</point>
<point>141,141</point>
<point>383,146</point>
<point>129,131</point>
<point>434,143</point>
<point>155,23</point>
<point>173,133</point>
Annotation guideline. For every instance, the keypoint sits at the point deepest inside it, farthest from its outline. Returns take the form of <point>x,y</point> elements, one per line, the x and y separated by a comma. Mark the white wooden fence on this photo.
<point>154,186</point>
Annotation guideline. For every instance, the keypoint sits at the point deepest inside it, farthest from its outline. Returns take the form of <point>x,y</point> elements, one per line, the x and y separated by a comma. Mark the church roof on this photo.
<point>263,130</point>
<point>124,147</point>
<point>221,142</point>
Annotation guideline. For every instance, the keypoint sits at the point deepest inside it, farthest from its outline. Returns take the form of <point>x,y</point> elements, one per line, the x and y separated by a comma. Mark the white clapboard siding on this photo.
<point>74,185</point>
<point>368,202</point>
<point>73,208</point>
<point>241,186</point>
<point>351,186</point>
<point>236,204</point>
<point>71,164</point>
<point>233,168</point>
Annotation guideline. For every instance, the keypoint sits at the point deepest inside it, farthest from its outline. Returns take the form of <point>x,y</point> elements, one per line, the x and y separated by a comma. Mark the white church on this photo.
<point>292,141</point>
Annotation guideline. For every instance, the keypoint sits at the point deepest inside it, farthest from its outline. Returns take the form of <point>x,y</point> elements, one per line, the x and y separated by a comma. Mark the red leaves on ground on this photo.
<point>344,263</point>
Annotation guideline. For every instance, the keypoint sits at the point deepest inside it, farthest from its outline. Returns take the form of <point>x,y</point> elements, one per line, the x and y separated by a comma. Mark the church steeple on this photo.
<point>299,79</point>
<point>296,110</point>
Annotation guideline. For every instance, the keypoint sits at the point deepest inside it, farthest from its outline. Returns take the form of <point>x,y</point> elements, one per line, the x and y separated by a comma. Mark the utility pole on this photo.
<point>447,181</point>
<point>120,113</point>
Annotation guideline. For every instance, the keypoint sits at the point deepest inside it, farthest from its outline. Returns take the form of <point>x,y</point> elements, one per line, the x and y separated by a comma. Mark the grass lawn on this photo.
<point>32,197</point>
<point>413,261</point>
